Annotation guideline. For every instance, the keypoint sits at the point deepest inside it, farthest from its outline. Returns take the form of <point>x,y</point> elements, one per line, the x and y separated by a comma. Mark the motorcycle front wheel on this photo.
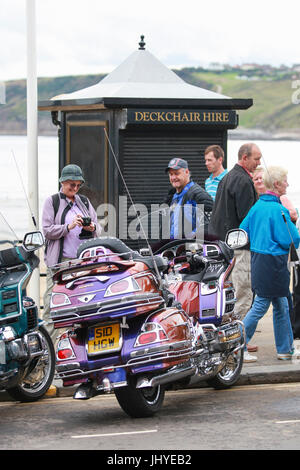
<point>140,402</point>
<point>38,377</point>
<point>230,373</point>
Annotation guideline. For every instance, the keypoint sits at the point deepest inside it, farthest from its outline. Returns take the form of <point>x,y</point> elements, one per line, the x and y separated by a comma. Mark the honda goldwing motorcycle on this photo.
<point>136,324</point>
<point>27,356</point>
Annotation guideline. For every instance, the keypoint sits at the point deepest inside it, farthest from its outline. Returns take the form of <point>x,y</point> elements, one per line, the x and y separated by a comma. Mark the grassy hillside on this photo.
<point>272,111</point>
<point>13,113</point>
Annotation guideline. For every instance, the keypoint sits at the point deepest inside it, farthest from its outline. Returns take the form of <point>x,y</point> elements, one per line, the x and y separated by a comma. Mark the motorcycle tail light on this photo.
<point>151,333</point>
<point>64,349</point>
<point>64,354</point>
<point>162,335</point>
<point>124,286</point>
<point>58,300</point>
<point>118,287</point>
<point>146,338</point>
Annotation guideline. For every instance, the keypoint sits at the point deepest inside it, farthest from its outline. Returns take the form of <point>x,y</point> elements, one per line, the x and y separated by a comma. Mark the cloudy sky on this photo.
<point>94,36</point>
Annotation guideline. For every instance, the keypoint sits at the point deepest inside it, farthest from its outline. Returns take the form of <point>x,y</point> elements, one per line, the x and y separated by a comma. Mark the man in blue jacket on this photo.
<point>188,202</point>
<point>271,232</point>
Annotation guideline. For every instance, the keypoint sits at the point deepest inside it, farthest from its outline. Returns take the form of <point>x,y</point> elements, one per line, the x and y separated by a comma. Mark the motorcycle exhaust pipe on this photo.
<point>85,391</point>
<point>171,376</point>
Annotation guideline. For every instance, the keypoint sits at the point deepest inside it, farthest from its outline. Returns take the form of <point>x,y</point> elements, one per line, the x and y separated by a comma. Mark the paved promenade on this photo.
<point>268,369</point>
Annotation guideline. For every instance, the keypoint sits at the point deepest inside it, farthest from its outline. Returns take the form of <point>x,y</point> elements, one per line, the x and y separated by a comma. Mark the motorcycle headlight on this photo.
<point>58,300</point>
<point>123,286</point>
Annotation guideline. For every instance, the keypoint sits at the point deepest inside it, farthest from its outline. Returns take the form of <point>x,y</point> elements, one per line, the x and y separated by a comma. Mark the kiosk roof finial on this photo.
<point>142,44</point>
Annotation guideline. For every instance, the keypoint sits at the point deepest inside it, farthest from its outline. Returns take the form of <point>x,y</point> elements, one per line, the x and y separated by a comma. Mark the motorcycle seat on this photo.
<point>13,257</point>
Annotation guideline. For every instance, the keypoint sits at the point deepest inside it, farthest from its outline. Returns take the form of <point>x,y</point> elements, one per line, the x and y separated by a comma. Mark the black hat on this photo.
<point>176,164</point>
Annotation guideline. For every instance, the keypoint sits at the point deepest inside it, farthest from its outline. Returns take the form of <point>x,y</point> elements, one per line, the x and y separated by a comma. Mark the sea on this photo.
<point>14,208</point>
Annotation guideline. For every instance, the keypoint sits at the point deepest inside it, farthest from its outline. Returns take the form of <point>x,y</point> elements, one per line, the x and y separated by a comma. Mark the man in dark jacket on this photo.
<point>235,197</point>
<point>188,202</point>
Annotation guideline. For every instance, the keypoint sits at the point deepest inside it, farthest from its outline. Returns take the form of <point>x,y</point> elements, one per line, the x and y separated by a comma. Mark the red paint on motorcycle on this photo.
<point>187,293</point>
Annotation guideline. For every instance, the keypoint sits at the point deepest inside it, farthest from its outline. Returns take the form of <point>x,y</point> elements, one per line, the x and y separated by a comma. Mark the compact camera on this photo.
<point>86,221</point>
<point>85,234</point>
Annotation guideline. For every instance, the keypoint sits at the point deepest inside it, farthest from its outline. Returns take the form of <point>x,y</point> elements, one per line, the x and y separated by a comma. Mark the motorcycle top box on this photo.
<point>104,284</point>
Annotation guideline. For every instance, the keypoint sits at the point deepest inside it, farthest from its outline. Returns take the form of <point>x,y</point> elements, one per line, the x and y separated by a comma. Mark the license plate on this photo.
<point>104,338</point>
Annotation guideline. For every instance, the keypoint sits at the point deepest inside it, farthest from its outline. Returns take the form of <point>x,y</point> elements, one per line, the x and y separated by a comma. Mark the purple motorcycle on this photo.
<point>136,324</point>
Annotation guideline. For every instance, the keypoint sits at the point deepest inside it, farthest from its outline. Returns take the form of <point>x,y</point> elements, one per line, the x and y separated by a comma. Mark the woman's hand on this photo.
<point>76,222</point>
<point>90,228</point>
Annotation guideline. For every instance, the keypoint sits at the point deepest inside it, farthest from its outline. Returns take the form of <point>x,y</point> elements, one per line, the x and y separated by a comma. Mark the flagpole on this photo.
<point>32,134</point>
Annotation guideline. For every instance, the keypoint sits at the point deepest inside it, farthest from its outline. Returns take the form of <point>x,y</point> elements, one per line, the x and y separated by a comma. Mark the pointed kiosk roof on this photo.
<point>143,79</point>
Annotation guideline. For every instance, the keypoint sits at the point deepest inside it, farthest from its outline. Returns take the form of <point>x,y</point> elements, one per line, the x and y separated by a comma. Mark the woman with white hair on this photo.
<point>271,231</point>
<point>258,181</point>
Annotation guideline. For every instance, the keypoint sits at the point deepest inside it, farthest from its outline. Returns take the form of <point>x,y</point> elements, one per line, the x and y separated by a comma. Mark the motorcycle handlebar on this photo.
<point>198,260</point>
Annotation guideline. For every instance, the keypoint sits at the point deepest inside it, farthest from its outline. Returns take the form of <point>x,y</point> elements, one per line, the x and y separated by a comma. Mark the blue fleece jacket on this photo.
<point>270,231</point>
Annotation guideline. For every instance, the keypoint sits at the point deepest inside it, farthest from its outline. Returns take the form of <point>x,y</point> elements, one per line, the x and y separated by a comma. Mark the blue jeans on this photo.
<point>281,321</point>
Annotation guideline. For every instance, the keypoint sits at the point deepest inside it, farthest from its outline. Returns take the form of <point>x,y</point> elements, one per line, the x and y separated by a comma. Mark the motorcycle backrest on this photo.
<point>114,244</point>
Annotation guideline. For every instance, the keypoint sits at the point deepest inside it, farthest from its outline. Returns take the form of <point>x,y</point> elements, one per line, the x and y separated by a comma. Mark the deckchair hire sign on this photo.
<point>226,118</point>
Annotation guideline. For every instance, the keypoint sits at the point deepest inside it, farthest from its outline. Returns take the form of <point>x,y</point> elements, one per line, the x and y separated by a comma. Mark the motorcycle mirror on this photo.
<point>33,240</point>
<point>236,238</point>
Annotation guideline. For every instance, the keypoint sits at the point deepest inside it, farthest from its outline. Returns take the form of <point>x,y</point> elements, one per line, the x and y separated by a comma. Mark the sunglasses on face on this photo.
<point>75,185</point>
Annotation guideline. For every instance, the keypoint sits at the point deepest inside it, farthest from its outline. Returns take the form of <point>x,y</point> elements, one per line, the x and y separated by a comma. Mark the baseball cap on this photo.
<point>176,164</point>
<point>71,172</point>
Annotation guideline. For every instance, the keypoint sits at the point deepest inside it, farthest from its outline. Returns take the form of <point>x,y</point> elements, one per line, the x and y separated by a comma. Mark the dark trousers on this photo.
<point>294,303</point>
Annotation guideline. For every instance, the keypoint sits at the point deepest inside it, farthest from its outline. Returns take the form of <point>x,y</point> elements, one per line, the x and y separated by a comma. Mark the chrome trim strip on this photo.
<point>104,307</point>
<point>131,363</point>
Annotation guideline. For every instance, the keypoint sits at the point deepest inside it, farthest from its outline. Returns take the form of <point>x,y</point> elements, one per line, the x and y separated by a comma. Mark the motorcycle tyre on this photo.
<point>137,402</point>
<point>219,383</point>
<point>20,393</point>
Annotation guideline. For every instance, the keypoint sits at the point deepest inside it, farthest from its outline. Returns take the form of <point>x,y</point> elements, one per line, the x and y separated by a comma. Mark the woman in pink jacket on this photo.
<point>64,217</point>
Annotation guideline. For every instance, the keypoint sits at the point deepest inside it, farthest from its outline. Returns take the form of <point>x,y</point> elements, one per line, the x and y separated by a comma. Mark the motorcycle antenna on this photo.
<point>133,205</point>
<point>30,210</point>
<point>11,229</point>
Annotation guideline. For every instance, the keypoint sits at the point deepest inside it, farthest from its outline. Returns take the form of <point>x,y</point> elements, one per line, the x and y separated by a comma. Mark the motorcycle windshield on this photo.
<point>166,224</point>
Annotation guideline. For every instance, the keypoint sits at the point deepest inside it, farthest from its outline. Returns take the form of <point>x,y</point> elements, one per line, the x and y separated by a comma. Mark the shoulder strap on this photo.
<point>85,200</point>
<point>55,202</point>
